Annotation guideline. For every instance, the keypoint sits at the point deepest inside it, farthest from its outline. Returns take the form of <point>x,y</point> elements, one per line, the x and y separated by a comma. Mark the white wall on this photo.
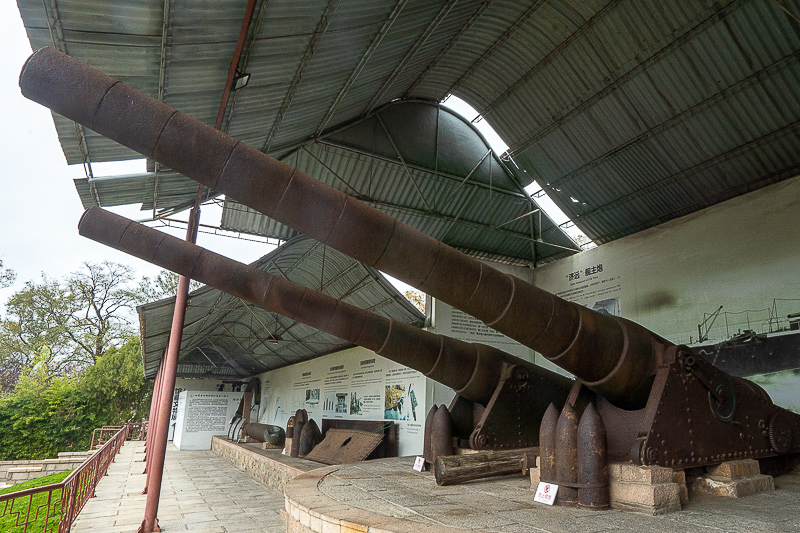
<point>740,254</point>
<point>352,384</point>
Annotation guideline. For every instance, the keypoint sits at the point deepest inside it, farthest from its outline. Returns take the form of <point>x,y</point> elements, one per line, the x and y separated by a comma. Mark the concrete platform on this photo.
<point>388,496</point>
<point>201,492</point>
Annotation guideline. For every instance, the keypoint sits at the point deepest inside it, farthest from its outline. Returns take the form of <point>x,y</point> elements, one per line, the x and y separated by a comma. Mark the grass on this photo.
<point>8,521</point>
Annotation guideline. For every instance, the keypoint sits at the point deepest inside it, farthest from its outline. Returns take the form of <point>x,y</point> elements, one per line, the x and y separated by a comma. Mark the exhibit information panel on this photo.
<point>201,415</point>
<point>355,385</point>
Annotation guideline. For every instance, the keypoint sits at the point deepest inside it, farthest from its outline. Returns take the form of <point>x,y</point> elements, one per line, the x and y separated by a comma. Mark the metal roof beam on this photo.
<point>311,49</point>
<point>496,45</point>
<point>739,151</point>
<point>753,80</point>
<point>59,43</point>
<point>376,40</point>
<point>450,45</point>
<point>445,9</point>
<point>403,162</point>
<point>550,56</point>
<point>428,171</point>
<point>712,15</point>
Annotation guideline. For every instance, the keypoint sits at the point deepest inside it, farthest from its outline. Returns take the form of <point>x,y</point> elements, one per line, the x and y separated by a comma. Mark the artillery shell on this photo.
<point>441,433</point>
<point>567,456</point>
<point>298,431</point>
<point>592,461</point>
<point>426,446</point>
<point>547,444</point>
<point>309,438</point>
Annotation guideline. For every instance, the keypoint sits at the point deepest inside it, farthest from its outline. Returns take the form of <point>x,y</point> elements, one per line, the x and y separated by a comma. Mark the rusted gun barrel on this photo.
<point>612,356</point>
<point>472,370</point>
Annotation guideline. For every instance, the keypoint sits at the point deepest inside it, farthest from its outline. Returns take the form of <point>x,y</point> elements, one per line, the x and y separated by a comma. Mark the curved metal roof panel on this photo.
<point>224,336</point>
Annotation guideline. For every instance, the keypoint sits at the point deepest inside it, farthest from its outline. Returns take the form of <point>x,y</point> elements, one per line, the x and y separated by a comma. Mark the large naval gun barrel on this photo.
<point>612,356</point>
<point>472,370</point>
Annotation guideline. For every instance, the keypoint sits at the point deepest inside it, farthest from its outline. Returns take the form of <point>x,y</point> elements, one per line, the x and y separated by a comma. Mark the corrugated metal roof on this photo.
<point>628,112</point>
<point>227,337</point>
<point>429,168</point>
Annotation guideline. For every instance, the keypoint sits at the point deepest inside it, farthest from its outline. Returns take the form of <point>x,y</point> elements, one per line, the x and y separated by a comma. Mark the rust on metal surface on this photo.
<point>427,450</point>
<point>309,438</point>
<point>649,392</point>
<point>273,435</point>
<point>558,329</point>
<point>592,462</point>
<point>566,456</point>
<point>547,444</point>
<point>441,433</point>
<point>300,419</point>
<point>342,446</point>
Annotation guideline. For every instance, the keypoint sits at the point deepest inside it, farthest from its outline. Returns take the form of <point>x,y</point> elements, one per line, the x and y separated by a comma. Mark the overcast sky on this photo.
<point>39,206</point>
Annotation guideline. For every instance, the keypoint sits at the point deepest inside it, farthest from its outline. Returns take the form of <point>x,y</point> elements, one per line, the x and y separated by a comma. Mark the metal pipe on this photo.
<point>472,370</point>
<point>624,354</point>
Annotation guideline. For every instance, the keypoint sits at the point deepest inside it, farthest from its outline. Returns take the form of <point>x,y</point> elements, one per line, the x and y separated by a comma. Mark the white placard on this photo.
<point>546,493</point>
<point>419,464</point>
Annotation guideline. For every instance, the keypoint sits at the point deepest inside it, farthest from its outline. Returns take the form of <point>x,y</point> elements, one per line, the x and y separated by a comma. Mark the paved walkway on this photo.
<point>201,492</point>
<point>387,494</point>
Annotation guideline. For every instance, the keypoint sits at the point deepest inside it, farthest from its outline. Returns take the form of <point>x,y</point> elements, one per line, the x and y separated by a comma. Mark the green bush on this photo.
<point>45,415</point>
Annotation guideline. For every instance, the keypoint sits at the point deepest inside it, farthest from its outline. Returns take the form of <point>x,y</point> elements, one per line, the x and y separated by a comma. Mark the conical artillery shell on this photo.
<point>592,461</point>
<point>547,445</point>
<point>567,455</point>
<point>308,438</point>
<point>441,433</point>
<point>427,450</point>
<point>298,432</point>
<point>290,428</point>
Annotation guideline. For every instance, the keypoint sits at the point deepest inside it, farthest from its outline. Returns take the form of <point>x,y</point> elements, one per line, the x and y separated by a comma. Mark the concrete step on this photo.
<point>24,469</point>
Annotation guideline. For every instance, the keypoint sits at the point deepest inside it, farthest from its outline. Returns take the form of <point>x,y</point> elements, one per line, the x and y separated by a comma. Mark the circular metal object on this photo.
<point>725,410</point>
<point>520,376</point>
<point>780,433</point>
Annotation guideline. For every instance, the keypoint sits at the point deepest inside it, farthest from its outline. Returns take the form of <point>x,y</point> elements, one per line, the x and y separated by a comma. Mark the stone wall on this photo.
<point>269,467</point>
<point>13,472</point>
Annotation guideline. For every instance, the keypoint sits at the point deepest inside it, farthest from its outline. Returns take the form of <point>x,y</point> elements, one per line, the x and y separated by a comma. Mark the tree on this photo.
<point>65,327</point>
<point>7,276</point>
<point>164,285</point>
<point>115,387</point>
<point>416,298</point>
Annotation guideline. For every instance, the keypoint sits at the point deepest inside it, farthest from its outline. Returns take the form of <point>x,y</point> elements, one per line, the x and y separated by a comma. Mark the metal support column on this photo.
<point>158,447</point>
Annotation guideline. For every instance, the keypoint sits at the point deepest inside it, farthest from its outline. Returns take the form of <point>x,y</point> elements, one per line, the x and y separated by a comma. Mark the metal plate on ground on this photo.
<point>342,446</point>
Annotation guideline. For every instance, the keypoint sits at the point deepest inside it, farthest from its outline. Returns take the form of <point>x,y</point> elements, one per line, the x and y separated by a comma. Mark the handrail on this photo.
<point>76,489</point>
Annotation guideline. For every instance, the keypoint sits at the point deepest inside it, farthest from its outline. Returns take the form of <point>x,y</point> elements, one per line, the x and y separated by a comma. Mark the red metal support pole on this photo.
<point>158,448</point>
<point>170,362</point>
<point>151,421</point>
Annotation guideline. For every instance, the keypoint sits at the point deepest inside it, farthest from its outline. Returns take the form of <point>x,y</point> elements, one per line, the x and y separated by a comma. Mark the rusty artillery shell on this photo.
<point>592,461</point>
<point>290,428</point>
<point>300,418</point>
<point>441,433</point>
<point>567,456</point>
<point>547,445</point>
<point>310,437</point>
<point>427,450</point>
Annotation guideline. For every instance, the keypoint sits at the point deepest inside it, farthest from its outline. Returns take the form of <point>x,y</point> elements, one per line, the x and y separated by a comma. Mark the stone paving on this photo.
<point>201,492</point>
<point>388,495</point>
